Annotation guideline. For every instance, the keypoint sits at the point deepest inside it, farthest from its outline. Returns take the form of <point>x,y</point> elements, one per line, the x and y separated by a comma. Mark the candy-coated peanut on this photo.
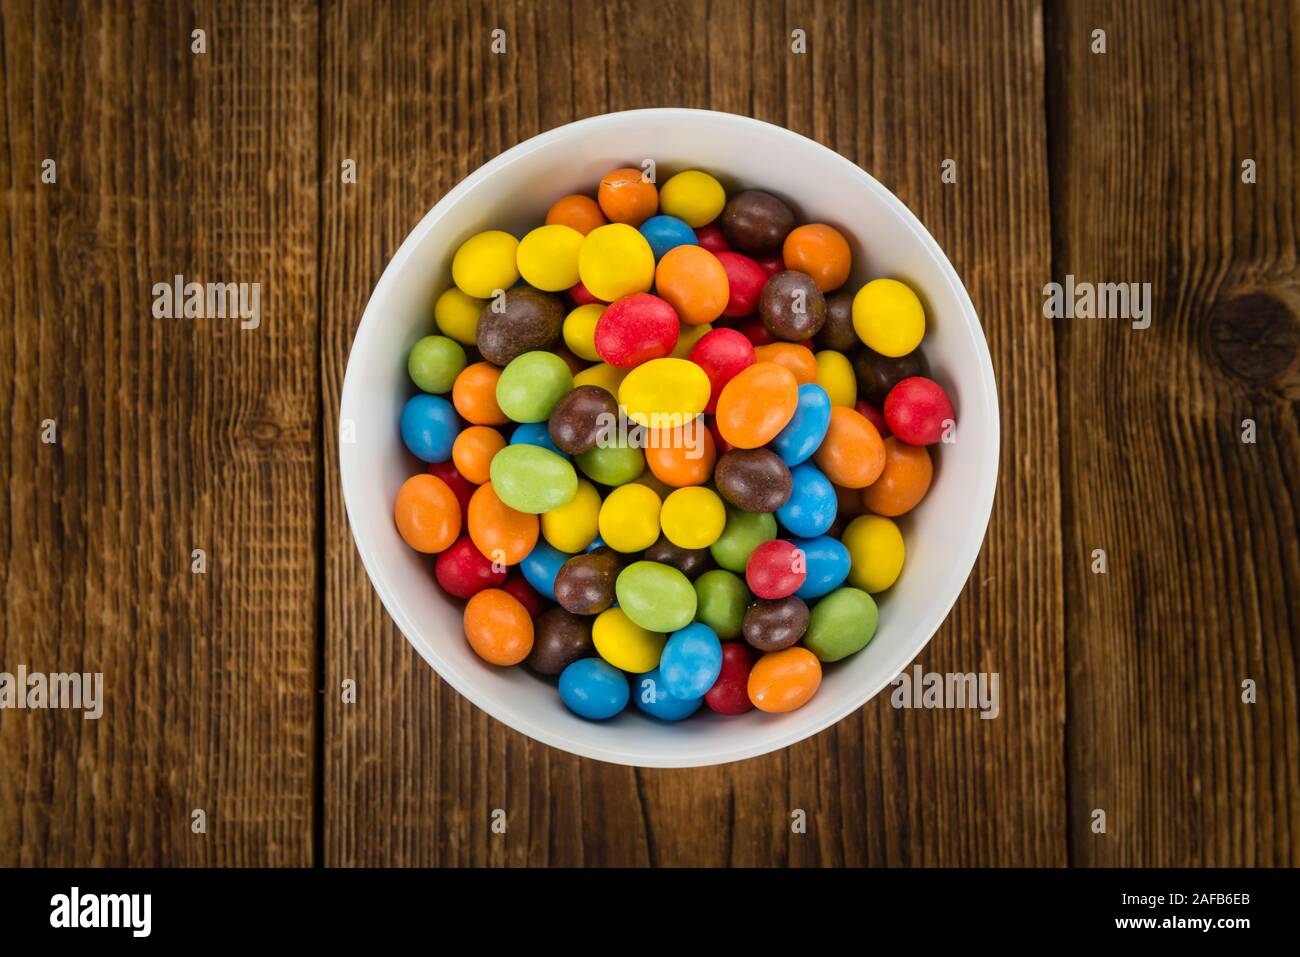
<point>888,317</point>
<point>666,232</point>
<point>427,513</point>
<point>730,693</point>
<point>743,532</point>
<point>602,374</point>
<point>626,196</point>
<point>694,197</point>
<point>918,411</point>
<point>429,426</point>
<point>462,570</point>
<point>656,596</point>
<point>821,251</point>
<point>531,385</point>
<point>681,456</point>
<point>501,533</point>
<point>474,394</point>
<point>693,517</point>
<point>904,481</point>
<point>835,375</point>
<point>612,465</point>
<point>842,624</point>
<point>456,315</point>
<point>616,261</point>
<point>547,257</point>
<point>756,404</point>
<point>434,362</point>
<point>810,512</point>
<point>692,280</point>
<point>485,263</point>
<point>636,329</point>
<point>876,551</point>
<point>577,212</point>
<point>473,451</point>
<point>580,330</point>
<point>852,453</point>
<point>722,598</point>
<point>573,526</point>
<point>532,479</point>
<point>498,627</point>
<point>650,694</point>
<point>629,518</point>
<point>691,661</point>
<point>804,433</point>
<point>784,680</point>
<point>663,393</point>
<point>593,689</point>
<point>798,359</point>
<point>625,644</point>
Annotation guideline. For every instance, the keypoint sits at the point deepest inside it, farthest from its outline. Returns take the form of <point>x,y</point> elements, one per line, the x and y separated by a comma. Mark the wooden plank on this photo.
<point>1202,590</point>
<point>412,771</point>
<point>173,434</point>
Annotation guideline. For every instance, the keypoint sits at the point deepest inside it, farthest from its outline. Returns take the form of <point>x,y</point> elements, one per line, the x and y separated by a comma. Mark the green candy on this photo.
<point>434,362</point>
<point>842,624</point>
<point>722,598</point>
<point>613,465</point>
<point>743,533</point>
<point>532,384</point>
<point>532,479</point>
<point>657,597</point>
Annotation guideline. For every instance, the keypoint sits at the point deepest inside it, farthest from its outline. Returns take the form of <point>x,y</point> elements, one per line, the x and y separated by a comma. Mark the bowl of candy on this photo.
<point>669,437</point>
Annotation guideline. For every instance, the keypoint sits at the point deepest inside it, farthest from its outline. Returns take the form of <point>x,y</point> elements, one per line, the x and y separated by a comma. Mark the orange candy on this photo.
<point>904,481</point>
<point>821,251</point>
<point>474,394</point>
<point>626,198</point>
<point>756,404</point>
<point>784,680</point>
<point>498,627</point>
<point>427,514</point>
<point>502,534</point>
<point>693,282</point>
<point>678,459</point>
<point>577,212</point>
<point>852,453</point>
<point>798,359</point>
<point>473,450</point>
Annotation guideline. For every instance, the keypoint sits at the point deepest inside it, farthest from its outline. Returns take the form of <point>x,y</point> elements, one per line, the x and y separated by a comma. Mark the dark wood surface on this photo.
<point>1120,692</point>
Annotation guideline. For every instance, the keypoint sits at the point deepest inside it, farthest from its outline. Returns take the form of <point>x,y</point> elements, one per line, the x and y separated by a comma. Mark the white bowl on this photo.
<point>513,192</point>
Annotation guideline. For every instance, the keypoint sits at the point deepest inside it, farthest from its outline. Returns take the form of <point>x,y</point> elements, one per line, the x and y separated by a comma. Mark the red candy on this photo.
<point>775,569</point>
<point>745,278</point>
<point>916,410</point>
<point>463,570</point>
<point>636,329</point>
<point>871,412</point>
<point>730,693</point>
<point>711,238</point>
<point>519,589</point>
<point>460,486</point>
<point>721,354</point>
<point>755,331</point>
<point>581,297</point>
<point>771,265</point>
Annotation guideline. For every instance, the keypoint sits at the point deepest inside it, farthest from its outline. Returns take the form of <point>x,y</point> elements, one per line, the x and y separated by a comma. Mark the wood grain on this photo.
<point>1203,584</point>
<point>172,434</point>
<point>413,772</point>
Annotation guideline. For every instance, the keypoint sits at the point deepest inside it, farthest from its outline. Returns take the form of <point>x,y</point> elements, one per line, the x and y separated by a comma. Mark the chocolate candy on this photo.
<point>837,332</point>
<point>528,320</point>
<point>579,418</point>
<point>585,583</point>
<point>560,638</point>
<point>756,223</point>
<point>878,374</point>
<point>773,625</point>
<point>691,562</point>
<point>792,307</point>
<point>753,480</point>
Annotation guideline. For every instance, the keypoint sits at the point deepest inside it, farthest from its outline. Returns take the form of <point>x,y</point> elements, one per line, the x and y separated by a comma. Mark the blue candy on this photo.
<point>691,661</point>
<point>651,696</point>
<point>827,561</point>
<point>811,508</point>
<point>593,689</point>
<point>598,543</point>
<point>541,565</point>
<point>429,427</point>
<point>803,434</point>
<point>666,232</point>
<point>535,433</point>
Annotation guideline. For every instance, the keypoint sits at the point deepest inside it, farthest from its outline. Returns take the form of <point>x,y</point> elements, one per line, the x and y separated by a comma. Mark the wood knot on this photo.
<point>1255,336</point>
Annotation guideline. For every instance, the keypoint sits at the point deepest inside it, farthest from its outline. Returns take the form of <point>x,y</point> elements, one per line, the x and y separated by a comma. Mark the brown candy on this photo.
<point>585,583</point>
<point>579,418</point>
<point>838,332</point>
<point>877,374</point>
<point>559,639</point>
<point>691,562</point>
<point>792,307</point>
<point>753,480</point>
<point>776,624</point>
<point>528,320</point>
<point>755,222</point>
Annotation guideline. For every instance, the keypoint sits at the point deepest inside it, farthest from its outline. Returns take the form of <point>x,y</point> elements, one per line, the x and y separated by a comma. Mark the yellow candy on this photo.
<point>888,317</point>
<point>875,552</point>
<point>548,257</point>
<point>580,331</point>
<point>572,527</point>
<point>694,197</point>
<point>629,518</point>
<point>664,393</point>
<point>456,315</point>
<point>615,261</point>
<point>687,336</point>
<point>625,644</point>
<point>693,517</point>
<point>835,375</point>
<point>606,376</point>
<point>485,263</point>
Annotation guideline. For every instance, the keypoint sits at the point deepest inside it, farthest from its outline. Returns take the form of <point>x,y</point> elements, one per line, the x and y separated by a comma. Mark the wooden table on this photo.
<point>1120,691</point>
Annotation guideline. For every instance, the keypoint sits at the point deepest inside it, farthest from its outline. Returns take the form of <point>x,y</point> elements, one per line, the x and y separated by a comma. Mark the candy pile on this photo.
<point>664,444</point>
